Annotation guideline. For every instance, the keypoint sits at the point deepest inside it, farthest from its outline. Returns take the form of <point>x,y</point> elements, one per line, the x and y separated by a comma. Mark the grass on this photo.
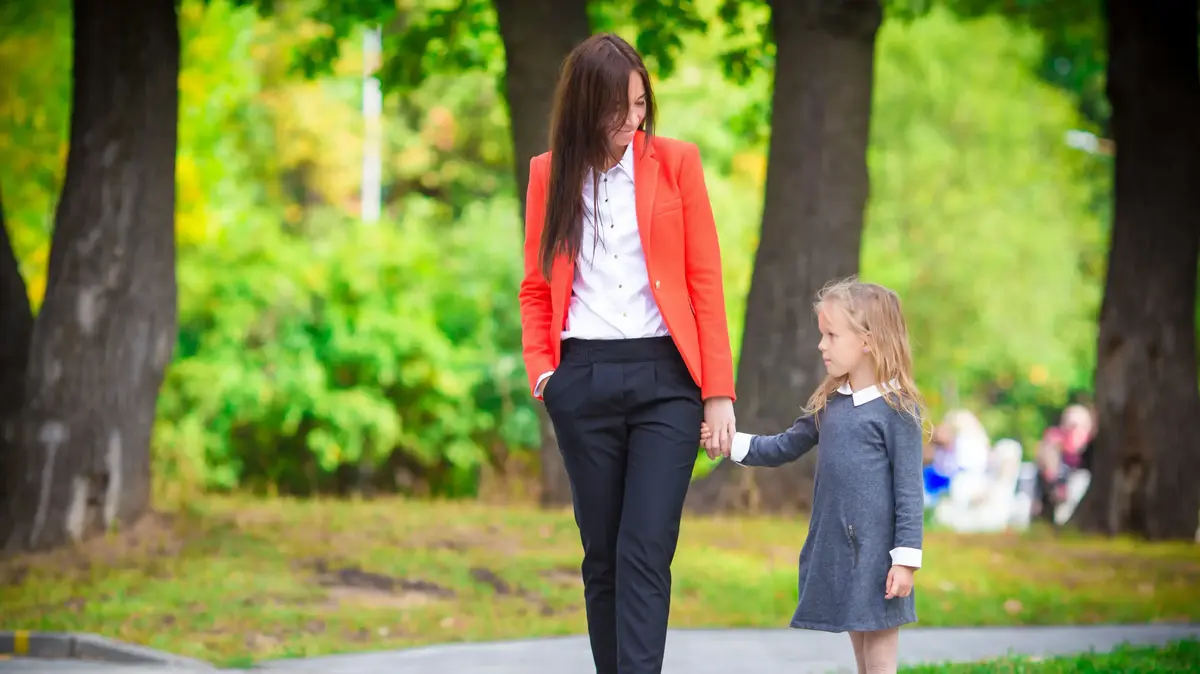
<point>234,580</point>
<point>1178,658</point>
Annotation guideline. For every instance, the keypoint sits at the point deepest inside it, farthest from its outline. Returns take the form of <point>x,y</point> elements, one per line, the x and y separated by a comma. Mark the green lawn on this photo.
<point>233,580</point>
<point>1178,658</point>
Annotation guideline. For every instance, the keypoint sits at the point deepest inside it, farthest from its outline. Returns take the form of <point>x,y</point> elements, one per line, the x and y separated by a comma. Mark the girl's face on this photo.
<point>622,133</point>
<point>842,349</point>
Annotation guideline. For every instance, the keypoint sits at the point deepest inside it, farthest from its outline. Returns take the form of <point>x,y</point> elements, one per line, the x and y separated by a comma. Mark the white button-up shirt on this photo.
<point>610,294</point>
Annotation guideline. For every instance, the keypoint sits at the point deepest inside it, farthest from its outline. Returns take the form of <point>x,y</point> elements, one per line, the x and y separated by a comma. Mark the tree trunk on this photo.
<point>816,194</point>
<point>538,35</point>
<point>107,327</point>
<point>16,326</point>
<point>1146,475</point>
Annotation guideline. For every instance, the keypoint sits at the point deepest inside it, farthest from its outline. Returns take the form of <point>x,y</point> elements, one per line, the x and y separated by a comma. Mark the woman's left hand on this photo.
<point>718,416</point>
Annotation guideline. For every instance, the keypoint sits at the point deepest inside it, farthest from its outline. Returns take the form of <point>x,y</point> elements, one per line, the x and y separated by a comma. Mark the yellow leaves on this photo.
<point>192,86</point>
<point>750,165</point>
<point>317,133</point>
<point>293,213</point>
<point>191,221</point>
<point>1038,374</point>
<point>36,265</point>
<point>441,128</point>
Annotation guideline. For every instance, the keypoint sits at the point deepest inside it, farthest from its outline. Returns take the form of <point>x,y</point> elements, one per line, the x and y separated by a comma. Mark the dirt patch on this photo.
<point>155,535</point>
<point>13,574</point>
<point>352,585</point>
<point>489,577</point>
<point>504,589</point>
<point>562,575</point>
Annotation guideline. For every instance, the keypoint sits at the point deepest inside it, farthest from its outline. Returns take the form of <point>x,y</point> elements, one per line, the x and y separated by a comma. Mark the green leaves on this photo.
<point>660,25</point>
<point>418,38</point>
<point>343,348</point>
<point>751,45</point>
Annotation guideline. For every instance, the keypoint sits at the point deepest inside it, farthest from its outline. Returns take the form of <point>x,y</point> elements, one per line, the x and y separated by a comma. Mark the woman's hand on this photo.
<point>719,419</point>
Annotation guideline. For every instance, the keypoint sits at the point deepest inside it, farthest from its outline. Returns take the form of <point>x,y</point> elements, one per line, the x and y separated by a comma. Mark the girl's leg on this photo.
<point>856,640</point>
<point>881,651</point>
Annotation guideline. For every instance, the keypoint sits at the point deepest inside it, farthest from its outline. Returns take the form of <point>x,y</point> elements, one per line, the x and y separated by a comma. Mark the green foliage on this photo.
<point>35,108</point>
<point>1179,657</point>
<point>1074,52</point>
<point>339,348</point>
<point>980,217</point>
<point>227,567</point>
<point>311,346</point>
<point>462,36</point>
<point>657,28</point>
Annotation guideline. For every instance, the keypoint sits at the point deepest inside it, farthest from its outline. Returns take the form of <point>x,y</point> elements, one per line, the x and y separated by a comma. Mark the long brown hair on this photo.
<point>592,95</point>
<point>874,313</point>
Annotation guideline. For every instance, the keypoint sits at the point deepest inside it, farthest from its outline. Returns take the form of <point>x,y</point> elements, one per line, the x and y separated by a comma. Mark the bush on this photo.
<point>347,356</point>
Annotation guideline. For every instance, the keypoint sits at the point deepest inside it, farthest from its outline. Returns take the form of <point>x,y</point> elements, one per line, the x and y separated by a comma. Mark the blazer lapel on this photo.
<point>645,183</point>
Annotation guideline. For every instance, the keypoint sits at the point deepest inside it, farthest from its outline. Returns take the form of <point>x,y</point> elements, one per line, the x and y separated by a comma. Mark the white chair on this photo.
<point>984,503</point>
<point>1078,482</point>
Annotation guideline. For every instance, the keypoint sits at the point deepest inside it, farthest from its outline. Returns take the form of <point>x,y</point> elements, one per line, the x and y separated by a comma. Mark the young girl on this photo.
<point>864,538</point>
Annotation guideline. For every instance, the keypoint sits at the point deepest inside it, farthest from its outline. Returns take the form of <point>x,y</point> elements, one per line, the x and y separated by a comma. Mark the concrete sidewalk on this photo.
<point>696,652</point>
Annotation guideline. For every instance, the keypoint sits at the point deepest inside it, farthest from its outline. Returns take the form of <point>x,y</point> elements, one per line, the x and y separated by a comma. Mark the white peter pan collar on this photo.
<point>869,393</point>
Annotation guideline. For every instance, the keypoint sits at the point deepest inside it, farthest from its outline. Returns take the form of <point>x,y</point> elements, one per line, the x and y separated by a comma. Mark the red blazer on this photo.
<point>683,258</point>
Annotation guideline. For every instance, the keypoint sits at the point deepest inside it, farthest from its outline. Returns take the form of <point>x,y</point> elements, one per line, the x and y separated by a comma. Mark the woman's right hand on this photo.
<point>541,387</point>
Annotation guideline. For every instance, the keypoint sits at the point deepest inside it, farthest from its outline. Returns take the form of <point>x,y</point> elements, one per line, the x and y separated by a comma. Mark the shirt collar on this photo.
<point>869,393</point>
<point>626,163</point>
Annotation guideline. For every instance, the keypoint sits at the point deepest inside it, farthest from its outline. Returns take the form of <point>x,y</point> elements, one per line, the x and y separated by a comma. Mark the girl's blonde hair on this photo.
<point>874,313</point>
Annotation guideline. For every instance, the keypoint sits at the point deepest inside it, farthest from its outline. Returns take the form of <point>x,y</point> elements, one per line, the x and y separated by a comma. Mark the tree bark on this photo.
<point>816,193</point>
<point>1146,476</point>
<point>538,35</point>
<point>107,327</point>
<point>16,326</point>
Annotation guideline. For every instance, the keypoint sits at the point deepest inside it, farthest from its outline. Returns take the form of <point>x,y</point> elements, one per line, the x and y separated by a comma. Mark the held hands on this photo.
<point>718,427</point>
<point>706,441</point>
<point>899,582</point>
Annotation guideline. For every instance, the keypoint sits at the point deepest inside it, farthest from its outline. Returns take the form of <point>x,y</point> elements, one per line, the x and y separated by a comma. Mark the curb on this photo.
<point>83,646</point>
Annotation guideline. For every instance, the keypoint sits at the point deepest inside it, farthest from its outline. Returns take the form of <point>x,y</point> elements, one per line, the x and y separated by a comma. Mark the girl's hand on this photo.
<point>899,582</point>
<point>705,437</point>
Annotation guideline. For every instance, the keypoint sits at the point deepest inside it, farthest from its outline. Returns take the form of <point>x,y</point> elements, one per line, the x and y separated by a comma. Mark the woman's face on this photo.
<point>622,135</point>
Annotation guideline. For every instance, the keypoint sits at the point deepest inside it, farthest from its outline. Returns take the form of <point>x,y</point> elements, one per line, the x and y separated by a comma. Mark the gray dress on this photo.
<point>867,502</point>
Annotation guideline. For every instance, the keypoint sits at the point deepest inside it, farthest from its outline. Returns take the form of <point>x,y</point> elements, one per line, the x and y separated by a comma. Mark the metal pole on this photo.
<point>372,108</point>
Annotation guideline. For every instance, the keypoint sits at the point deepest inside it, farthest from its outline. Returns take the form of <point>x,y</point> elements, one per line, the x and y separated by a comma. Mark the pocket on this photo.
<point>853,539</point>
<point>665,207</point>
<point>559,394</point>
<point>549,383</point>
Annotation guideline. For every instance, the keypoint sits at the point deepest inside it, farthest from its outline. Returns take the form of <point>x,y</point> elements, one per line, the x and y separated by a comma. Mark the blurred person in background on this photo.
<point>1062,452</point>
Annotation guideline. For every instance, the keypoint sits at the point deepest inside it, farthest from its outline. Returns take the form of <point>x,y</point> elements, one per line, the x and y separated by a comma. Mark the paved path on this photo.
<point>700,652</point>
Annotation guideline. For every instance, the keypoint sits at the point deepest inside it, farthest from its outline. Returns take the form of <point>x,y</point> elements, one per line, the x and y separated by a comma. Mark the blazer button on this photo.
<point>656,285</point>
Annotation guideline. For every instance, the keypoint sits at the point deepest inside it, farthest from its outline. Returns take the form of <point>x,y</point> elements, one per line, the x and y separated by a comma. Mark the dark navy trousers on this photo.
<point>627,417</point>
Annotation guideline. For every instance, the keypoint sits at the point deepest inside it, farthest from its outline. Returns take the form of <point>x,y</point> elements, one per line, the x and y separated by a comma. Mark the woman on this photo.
<point>624,335</point>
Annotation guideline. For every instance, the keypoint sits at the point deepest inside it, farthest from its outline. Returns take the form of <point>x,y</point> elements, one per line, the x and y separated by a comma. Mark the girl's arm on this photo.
<point>775,450</point>
<point>904,451</point>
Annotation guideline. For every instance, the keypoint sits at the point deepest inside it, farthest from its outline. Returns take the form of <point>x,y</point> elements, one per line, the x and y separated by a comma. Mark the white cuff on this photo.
<point>741,447</point>
<point>538,386</point>
<point>906,557</point>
